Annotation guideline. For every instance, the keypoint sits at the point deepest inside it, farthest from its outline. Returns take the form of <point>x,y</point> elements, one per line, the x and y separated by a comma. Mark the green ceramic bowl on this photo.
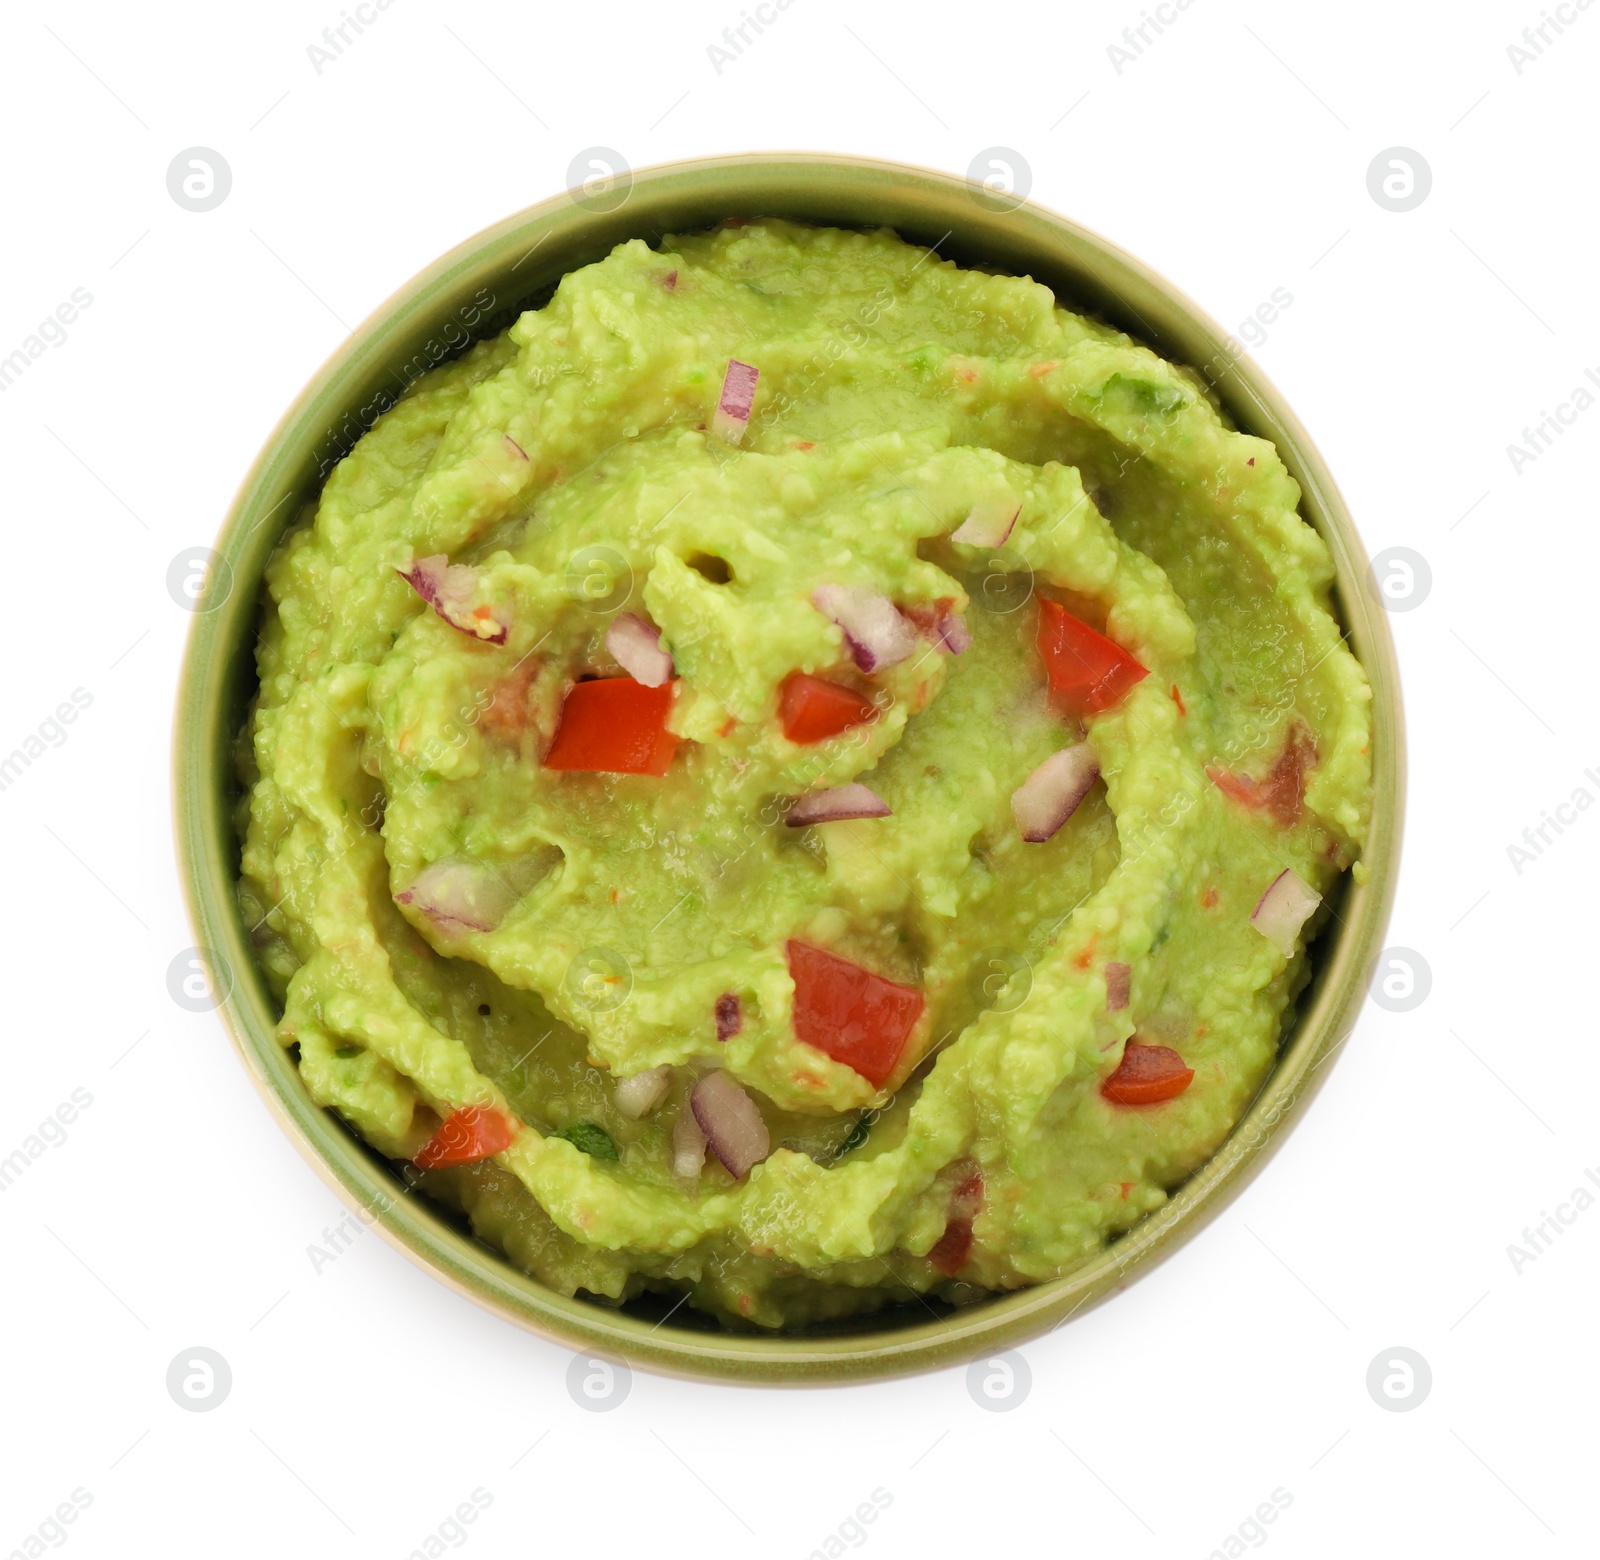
<point>516,265</point>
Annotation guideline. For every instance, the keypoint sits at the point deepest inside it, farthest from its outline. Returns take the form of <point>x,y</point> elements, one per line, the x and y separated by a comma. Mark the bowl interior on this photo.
<point>474,292</point>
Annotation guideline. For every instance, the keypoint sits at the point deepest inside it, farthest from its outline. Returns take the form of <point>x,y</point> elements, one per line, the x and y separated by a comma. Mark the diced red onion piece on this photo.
<point>637,648</point>
<point>449,588</point>
<point>1051,794</point>
<point>730,1016</point>
<point>455,606</point>
<point>954,635</point>
<point>836,804</point>
<point>732,1124</point>
<point>637,1096</point>
<point>1119,986</point>
<point>426,575</point>
<point>873,627</point>
<point>515,448</point>
<point>688,1145</point>
<point>733,406</point>
<point>1283,910</point>
<point>459,895</point>
<point>988,523</point>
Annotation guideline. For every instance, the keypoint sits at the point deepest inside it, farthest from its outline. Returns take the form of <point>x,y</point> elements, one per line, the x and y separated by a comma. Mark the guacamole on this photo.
<point>800,775</point>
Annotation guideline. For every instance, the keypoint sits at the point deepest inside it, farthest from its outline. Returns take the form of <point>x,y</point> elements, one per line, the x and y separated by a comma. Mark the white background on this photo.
<point>367,1400</point>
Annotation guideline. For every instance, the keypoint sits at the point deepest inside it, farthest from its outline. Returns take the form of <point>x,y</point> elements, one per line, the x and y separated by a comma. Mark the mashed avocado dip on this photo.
<point>800,773</point>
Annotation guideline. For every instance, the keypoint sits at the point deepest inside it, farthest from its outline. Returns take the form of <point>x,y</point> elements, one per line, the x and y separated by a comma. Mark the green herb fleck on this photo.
<point>1147,397</point>
<point>858,1136</point>
<point>592,1140</point>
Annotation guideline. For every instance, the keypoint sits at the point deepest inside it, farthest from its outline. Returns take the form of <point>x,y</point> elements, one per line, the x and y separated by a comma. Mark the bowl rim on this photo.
<point>858,191</point>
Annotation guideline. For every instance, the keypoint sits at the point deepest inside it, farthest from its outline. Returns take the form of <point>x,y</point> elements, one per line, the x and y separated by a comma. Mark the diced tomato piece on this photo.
<point>952,1247</point>
<point>614,726</point>
<point>856,1017</point>
<point>1245,791</point>
<point>1282,793</point>
<point>928,616</point>
<point>466,1136</point>
<point>1147,1075</point>
<point>1088,672</point>
<point>814,709</point>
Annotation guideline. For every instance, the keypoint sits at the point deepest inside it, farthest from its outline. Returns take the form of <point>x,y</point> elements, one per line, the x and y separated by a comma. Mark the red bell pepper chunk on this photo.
<point>614,726</point>
<point>466,1136</point>
<point>951,1249</point>
<point>856,1017</point>
<point>1147,1075</point>
<point>814,709</point>
<point>1088,672</point>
